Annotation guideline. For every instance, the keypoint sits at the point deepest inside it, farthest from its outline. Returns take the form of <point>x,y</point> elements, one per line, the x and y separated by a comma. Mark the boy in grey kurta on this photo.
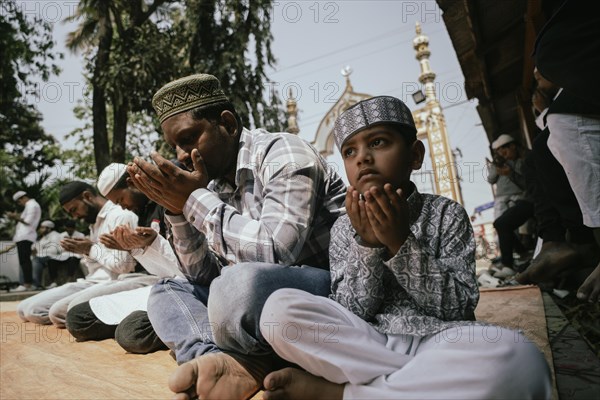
<point>427,283</point>
<point>403,287</point>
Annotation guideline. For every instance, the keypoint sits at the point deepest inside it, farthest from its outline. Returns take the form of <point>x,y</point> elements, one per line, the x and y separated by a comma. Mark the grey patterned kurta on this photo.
<point>430,281</point>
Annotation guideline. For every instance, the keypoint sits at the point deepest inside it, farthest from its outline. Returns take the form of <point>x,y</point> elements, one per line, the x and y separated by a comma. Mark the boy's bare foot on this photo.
<point>212,376</point>
<point>554,258</point>
<point>292,384</point>
<point>590,289</point>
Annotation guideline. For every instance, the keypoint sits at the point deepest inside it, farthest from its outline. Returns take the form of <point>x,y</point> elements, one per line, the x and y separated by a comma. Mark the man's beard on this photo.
<point>92,213</point>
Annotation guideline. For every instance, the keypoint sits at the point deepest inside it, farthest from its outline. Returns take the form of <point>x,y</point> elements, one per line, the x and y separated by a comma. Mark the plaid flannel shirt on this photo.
<point>285,201</point>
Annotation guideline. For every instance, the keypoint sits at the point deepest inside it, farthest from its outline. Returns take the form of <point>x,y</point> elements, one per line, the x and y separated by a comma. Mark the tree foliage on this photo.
<point>133,47</point>
<point>27,152</point>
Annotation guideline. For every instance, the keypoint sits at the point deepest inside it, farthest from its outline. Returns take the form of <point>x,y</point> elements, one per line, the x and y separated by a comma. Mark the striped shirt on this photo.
<point>419,291</point>
<point>281,211</point>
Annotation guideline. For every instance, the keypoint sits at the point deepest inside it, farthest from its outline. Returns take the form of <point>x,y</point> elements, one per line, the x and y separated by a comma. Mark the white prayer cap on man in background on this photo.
<point>48,224</point>
<point>109,177</point>
<point>18,195</point>
<point>502,140</point>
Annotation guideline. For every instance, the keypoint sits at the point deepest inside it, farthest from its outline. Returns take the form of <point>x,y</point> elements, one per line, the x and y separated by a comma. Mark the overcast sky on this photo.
<point>313,41</point>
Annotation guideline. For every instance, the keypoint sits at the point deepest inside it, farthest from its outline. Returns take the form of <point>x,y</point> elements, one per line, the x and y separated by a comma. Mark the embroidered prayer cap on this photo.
<point>18,195</point>
<point>370,112</point>
<point>73,189</point>
<point>109,177</point>
<point>186,94</point>
<point>48,224</point>
<point>501,141</point>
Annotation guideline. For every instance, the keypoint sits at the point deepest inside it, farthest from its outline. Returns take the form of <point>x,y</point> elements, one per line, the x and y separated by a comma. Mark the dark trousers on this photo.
<point>134,334</point>
<point>506,225</point>
<point>72,265</point>
<point>39,263</point>
<point>24,252</point>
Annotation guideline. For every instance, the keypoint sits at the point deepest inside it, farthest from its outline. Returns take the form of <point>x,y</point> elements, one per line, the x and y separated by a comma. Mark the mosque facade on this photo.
<point>429,120</point>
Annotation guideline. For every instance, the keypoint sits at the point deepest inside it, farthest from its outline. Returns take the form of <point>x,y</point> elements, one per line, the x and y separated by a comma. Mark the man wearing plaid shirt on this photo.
<point>264,202</point>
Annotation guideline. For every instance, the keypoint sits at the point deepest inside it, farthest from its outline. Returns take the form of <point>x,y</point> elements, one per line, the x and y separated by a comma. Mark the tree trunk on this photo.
<point>119,131</point>
<point>101,152</point>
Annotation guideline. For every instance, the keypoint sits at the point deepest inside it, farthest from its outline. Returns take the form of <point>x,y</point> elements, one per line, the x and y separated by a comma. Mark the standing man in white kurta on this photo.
<point>25,236</point>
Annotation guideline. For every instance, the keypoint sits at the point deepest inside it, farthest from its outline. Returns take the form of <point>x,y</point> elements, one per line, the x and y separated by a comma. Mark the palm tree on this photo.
<point>100,20</point>
<point>139,47</point>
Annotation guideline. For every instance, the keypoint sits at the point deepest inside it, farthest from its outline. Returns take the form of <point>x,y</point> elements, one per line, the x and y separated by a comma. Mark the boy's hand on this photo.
<point>355,208</point>
<point>387,212</point>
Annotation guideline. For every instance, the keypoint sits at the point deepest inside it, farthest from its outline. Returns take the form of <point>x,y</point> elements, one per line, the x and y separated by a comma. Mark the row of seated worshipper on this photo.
<point>263,235</point>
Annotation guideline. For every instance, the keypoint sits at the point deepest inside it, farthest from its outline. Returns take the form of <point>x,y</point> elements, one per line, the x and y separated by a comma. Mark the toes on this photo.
<point>584,291</point>
<point>183,379</point>
<point>183,396</point>
<point>278,379</point>
<point>270,381</point>
<point>590,289</point>
<point>274,395</point>
<point>588,292</point>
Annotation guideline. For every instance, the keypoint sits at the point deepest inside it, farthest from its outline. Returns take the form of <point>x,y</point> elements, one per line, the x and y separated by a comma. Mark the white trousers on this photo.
<point>51,306</point>
<point>575,142</point>
<point>467,362</point>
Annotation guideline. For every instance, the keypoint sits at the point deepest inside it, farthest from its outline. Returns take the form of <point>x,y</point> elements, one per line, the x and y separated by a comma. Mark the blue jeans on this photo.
<point>192,323</point>
<point>178,313</point>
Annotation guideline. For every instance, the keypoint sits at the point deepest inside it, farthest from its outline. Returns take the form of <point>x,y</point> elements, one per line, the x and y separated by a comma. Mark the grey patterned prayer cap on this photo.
<point>187,93</point>
<point>370,112</point>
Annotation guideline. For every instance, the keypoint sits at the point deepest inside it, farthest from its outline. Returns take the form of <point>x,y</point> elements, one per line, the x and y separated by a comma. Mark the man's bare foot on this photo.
<point>590,289</point>
<point>292,384</point>
<point>554,258</point>
<point>212,376</point>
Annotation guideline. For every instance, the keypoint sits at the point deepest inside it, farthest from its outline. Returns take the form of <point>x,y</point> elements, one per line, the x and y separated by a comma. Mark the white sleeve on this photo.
<point>158,258</point>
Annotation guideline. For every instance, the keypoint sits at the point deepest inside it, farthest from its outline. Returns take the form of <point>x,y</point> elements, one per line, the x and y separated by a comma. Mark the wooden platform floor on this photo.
<point>42,362</point>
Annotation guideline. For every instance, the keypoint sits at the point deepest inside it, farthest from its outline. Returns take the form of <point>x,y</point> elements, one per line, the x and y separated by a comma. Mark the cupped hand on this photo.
<point>355,208</point>
<point>137,238</point>
<point>77,245</point>
<point>387,213</point>
<point>165,183</point>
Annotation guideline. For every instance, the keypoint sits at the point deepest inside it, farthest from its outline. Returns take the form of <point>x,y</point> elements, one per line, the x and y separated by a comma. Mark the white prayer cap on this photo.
<point>48,224</point>
<point>502,140</point>
<point>18,195</point>
<point>109,177</point>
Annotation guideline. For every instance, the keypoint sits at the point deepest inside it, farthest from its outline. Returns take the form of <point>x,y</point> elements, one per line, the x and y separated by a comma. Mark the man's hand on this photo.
<point>165,183</point>
<point>77,245</point>
<point>125,238</point>
<point>15,216</point>
<point>108,240</point>
<point>7,248</point>
<point>387,212</point>
<point>504,170</point>
<point>355,208</point>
